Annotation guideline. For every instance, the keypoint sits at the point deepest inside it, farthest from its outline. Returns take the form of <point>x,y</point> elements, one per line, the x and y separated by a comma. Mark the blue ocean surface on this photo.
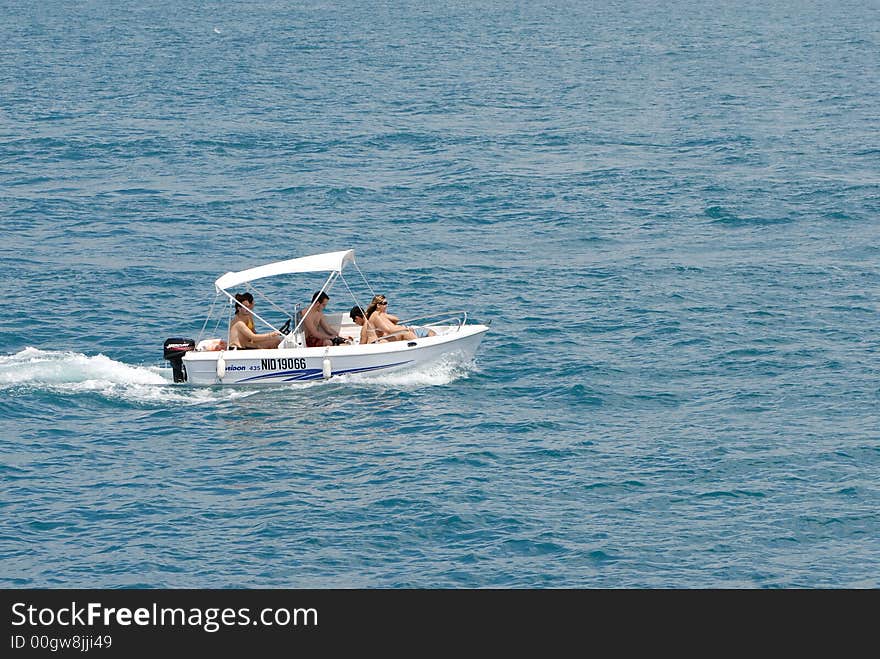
<point>669,212</point>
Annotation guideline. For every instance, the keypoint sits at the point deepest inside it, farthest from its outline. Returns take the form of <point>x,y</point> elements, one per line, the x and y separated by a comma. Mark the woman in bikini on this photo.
<point>386,323</point>
<point>241,328</point>
<point>368,332</point>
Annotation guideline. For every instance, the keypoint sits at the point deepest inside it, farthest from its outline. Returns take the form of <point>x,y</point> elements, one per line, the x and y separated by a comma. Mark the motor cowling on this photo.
<point>174,350</point>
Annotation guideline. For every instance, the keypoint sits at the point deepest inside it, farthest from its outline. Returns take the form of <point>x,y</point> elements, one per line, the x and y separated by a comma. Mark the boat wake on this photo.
<point>443,371</point>
<point>70,373</point>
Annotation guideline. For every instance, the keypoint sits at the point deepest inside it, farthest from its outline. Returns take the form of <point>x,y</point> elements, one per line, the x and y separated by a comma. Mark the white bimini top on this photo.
<point>329,262</point>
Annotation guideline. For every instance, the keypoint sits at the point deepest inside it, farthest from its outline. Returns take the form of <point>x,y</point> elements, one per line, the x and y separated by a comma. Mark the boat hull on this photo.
<point>292,365</point>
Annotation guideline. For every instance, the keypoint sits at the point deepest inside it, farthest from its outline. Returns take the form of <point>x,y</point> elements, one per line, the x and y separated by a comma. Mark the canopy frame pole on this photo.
<point>361,273</point>
<point>351,292</point>
<point>236,303</point>
<point>207,318</point>
<point>326,287</point>
<point>265,297</point>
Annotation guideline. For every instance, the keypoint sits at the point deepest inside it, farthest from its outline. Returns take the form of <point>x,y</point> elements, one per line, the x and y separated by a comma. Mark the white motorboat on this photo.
<point>208,361</point>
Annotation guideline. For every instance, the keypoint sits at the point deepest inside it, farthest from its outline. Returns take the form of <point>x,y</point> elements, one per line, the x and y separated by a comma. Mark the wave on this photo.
<point>440,372</point>
<point>719,215</point>
<point>33,366</point>
<point>71,373</point>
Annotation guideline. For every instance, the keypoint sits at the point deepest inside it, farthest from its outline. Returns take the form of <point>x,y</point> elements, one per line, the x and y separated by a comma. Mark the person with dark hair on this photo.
<point>241,328</point>
<point>240,298</point>
<point>319,332</point>
<point>368,332</point>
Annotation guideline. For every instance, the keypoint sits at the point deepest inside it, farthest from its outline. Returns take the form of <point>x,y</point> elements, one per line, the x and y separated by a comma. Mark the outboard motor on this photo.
<point>175,349</point>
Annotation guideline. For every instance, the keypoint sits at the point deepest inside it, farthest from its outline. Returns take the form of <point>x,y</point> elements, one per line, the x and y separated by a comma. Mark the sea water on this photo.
<point>669,212</point>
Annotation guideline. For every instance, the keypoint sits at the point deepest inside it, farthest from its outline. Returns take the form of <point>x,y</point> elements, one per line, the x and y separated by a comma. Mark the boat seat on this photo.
<point>210,345</point>
<point>293,340</point>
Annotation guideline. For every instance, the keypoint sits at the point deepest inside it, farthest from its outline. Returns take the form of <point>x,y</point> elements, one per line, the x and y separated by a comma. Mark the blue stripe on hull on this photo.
<point>304,375</point>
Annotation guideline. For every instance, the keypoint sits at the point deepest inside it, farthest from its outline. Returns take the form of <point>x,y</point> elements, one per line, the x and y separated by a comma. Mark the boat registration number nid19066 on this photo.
<point>283,363</point>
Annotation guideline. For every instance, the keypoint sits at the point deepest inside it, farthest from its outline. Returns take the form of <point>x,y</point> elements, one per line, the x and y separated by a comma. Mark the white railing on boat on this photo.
<point>458,318</point>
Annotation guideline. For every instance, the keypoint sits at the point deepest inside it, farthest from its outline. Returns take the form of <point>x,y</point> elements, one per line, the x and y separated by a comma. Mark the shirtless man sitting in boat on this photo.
<point>318,330</point>
<point>241,328</point>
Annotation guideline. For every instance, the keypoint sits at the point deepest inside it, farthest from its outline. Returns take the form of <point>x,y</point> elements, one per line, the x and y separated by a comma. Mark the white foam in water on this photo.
<point>436,373</point>
<point>73,372</point>
<point>34,366</point>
